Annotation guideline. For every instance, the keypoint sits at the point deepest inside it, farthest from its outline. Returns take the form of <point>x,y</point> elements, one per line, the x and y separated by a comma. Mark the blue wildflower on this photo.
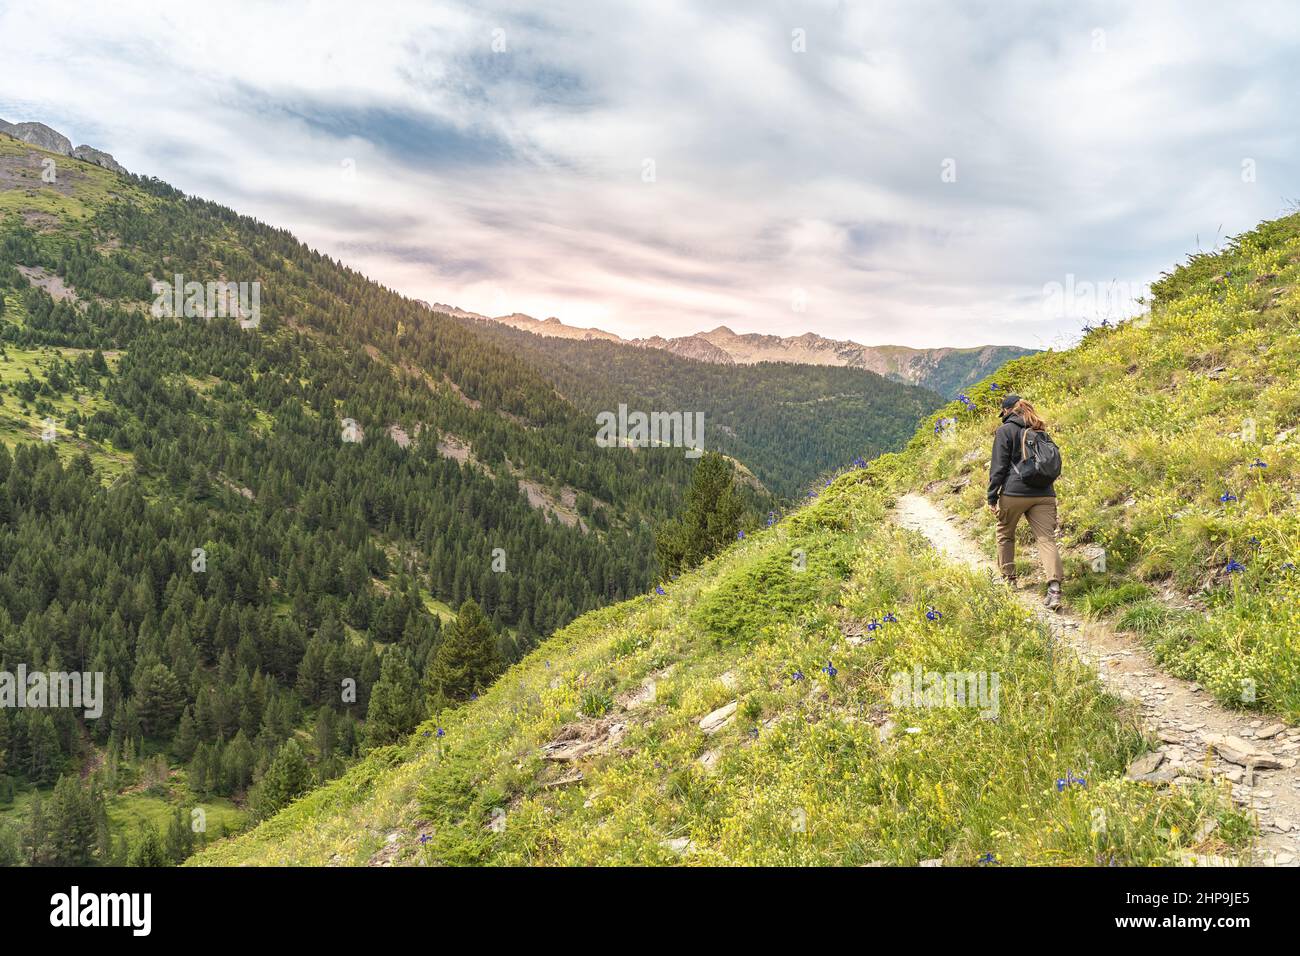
<point>1234,567</point>
<point>933,615</point>
<point>1257,463</point>
<point>797,676</point>
<point>1227,496</point>
<point>1070,780</point>
<point>890,618</point>
<point>441,732</point>
<point>830,669</point>
<point>740,536</point>
<point>874,625</point>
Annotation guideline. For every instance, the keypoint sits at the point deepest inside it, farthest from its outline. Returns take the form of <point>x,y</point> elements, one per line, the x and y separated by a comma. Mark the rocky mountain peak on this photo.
<point>43,137</point>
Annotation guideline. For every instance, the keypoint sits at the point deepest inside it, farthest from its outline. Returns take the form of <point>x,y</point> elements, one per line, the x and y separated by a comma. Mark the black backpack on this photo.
<point>1040,459</point>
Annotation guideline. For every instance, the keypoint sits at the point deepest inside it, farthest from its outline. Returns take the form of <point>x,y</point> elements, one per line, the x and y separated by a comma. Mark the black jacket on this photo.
<point>1006,453</point>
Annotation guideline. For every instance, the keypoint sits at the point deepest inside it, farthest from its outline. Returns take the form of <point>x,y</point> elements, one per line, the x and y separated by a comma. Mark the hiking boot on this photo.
<point>1053,599</point>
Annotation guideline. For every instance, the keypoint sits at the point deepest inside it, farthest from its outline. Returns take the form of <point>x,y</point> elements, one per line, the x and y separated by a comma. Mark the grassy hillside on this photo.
<point>818,762</point>
<point>815,766</point>
<point>1182,462</point>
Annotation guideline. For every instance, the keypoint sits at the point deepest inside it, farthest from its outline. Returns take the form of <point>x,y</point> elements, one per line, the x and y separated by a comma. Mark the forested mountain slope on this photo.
<point>232,523</point>
<point>752,712</point>
<point>788,423</point>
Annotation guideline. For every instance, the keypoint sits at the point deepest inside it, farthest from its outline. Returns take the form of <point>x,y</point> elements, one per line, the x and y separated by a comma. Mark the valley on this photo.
<point>742,715</point>
<point>395,575</point>
<point>280,508</point>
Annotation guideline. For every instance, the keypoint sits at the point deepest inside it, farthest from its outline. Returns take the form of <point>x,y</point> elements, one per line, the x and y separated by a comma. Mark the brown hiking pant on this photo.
<point>1041,513</point>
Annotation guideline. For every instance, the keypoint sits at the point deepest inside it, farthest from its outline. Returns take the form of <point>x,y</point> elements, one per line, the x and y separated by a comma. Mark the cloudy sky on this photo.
<point>909,172</point>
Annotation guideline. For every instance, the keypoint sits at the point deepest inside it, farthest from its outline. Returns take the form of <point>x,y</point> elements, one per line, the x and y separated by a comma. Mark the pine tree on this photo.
<point>347,736</point>
<point>179,842</point>
<point>200,770</point>
<point>395,704</point>
<point>236,764</point>
<point>158,700</point>
<point>187,737</point>
<point>37,846</point>
<point>11,852</point>
<point>147,850</point>
<point>323,734</point>
<point>71,821</point>
<point>286,778</point>
<point>42,748</point>
<point>466,661</point>
<point>709,521</point>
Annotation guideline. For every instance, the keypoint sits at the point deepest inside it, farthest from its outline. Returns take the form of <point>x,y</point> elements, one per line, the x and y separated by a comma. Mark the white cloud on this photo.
<point>513,180</point>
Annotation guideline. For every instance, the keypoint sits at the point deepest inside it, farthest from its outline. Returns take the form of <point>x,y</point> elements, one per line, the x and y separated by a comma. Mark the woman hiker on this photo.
<point>1011,497</point>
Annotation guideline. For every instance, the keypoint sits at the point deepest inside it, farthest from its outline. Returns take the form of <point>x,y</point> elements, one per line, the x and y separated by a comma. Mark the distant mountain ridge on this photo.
<point>943,370</point>
<point>790,424</point>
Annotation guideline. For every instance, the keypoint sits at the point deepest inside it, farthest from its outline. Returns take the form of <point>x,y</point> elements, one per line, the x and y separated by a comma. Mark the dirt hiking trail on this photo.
<point>1256,753</point>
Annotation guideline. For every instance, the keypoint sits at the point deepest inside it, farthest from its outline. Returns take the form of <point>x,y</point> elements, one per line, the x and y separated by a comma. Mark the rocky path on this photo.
<point>1195,735</point>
